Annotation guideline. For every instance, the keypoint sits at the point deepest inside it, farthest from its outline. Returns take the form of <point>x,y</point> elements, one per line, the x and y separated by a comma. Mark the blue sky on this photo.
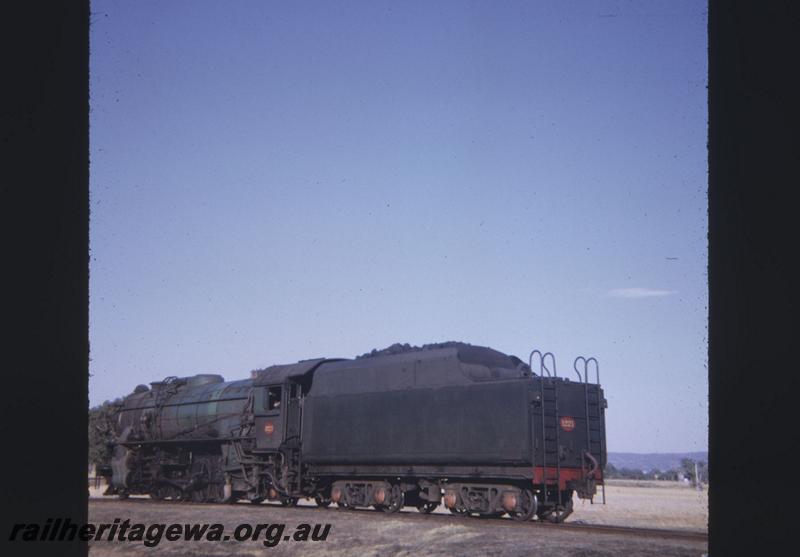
<point>275,181</point>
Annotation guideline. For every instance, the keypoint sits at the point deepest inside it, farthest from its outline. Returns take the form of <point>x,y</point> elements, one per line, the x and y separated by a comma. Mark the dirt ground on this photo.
<point>372,533</point>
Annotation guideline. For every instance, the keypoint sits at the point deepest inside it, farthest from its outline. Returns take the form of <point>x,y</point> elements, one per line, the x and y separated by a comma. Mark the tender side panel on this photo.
<point>478,423</point>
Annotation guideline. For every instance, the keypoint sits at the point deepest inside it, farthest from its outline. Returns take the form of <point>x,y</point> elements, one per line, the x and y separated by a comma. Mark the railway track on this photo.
<point>684,535</point>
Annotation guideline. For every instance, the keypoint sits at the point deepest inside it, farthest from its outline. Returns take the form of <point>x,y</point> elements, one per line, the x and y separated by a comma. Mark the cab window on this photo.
<point>273,400</point>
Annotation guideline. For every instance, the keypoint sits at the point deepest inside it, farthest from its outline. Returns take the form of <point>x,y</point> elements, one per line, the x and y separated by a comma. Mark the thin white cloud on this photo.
<point>640,293</point>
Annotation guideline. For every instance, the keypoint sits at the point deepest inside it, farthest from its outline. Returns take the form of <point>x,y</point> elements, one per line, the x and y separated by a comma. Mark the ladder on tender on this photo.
<point>594,413</point>
<point>548,396</point>
<point>550,442</point>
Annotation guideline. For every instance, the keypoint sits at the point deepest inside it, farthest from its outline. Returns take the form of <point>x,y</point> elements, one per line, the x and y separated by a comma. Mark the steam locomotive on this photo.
<point>455,424</point>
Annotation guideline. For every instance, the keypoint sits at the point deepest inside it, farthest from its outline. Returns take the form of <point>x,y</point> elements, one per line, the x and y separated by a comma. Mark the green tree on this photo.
<point>702,471</point>
<point>101,430</point>
<point>670,475</point>
<point>696,471</point>
<point>631,474</point>
<point>610,471</point>
<point>687,468</point>
<point>655,474</point>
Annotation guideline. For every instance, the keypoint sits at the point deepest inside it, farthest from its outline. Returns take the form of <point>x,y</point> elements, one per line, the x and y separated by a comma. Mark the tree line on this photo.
<point>685,470</point>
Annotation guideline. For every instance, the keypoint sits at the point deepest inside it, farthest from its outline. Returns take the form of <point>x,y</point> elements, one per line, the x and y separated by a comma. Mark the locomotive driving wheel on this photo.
<point>168,492</point>
<point>215,493</point>
<point>157,493</point>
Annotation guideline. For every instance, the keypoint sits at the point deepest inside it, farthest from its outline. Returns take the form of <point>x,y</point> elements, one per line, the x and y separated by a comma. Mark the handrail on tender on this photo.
<point>543,363</point>
<point>586,362</point>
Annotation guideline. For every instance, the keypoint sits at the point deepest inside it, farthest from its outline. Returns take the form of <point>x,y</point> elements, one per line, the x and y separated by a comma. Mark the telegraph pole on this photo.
<point>696,477</point>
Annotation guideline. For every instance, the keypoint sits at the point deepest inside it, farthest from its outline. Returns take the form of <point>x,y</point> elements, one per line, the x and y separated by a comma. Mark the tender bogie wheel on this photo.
<point>560,513</point>
<point>321,501</point>
<point>289,501</point>
<point>427,507</point>
<point>459,511</point>
<point>528,506</point>
<point>396,502</point>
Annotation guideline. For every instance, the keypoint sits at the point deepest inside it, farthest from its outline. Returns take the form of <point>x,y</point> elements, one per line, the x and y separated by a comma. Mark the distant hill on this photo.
<point>651,461</point>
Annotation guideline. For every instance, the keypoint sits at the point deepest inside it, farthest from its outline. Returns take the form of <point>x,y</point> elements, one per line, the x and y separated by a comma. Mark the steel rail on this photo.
<point>687,535</point>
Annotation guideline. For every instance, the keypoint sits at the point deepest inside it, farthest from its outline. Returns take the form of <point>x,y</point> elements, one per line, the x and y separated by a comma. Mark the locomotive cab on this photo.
<point>267,409</point>
<point>278,392</point>
<point>277,413</point>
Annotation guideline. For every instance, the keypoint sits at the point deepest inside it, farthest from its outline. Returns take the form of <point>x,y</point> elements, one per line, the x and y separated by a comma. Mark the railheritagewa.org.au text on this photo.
<point>150,535</point>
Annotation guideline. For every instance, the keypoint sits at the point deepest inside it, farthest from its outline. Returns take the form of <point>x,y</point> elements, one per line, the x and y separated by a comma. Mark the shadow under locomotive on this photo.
<point>455,424</point>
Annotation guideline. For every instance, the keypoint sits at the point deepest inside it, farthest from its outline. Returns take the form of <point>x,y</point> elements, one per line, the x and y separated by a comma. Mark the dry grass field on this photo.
<point>643,504</point>
<point>369,533</point>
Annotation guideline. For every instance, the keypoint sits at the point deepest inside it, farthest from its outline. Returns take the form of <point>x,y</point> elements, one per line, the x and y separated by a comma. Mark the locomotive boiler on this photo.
<point>479,431</point>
